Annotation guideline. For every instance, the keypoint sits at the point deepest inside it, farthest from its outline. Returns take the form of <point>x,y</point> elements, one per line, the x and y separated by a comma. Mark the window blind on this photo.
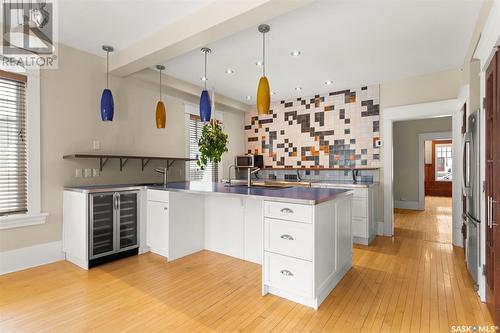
<point>211,172</point>
<point>13,152</point>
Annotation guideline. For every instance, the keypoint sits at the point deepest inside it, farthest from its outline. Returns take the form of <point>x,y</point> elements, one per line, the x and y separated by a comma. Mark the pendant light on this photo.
<point>161,113</point>
<point>107,104</point>
<point>205,105</point>
<point>263,90</point>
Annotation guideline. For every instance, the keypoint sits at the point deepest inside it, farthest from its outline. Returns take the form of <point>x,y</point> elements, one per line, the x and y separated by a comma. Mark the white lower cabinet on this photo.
<point>289,274</point>
<point>158,227</point>
<point>364,212</point>
<point>307,249</point>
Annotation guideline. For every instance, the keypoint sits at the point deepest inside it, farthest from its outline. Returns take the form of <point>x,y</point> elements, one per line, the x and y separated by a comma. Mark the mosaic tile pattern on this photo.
<point>336,130</point>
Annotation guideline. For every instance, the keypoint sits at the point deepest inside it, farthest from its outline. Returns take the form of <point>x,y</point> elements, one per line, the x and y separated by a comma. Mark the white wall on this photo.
<point>70,121</point>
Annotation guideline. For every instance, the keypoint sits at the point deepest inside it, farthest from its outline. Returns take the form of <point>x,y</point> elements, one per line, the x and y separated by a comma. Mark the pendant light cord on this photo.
<point>264,54</point>
<point>107,69</point>
<point>160,84</point>
<point>205,81</point>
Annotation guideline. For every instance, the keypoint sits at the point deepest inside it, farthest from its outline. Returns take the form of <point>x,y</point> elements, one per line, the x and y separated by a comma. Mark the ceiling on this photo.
<point>351,43</point>
<point>89,24</point>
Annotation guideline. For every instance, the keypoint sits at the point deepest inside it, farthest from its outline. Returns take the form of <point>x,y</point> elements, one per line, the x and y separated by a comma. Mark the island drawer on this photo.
<point>289,274</point>
<point>289,238</point>
<point>156,195</point>
<point>288,211</point>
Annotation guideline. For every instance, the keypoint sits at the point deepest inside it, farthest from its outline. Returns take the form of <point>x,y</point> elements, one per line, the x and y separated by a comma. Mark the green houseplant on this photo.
<point>212,144</point>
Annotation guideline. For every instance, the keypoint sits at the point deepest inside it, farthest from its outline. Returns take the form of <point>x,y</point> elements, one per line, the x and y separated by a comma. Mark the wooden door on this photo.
<point>433,186</point>
<point>493,189</point>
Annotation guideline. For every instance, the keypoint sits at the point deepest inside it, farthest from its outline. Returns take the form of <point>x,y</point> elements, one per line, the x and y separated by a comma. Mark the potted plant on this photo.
<point>212,144</point>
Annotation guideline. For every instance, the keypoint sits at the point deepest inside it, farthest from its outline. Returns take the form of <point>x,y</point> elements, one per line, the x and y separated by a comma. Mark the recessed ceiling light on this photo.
<point>295,53</point>
<point>203,78</point>
<point>229,71</point>
<point>329,82</point>
<point>298,88</point>
<point>259,63</point>
<point>249,97</point>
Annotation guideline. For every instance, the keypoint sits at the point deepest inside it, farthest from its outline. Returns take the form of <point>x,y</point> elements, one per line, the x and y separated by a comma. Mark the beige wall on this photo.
<point>70,121</point>
<point>406,163</point>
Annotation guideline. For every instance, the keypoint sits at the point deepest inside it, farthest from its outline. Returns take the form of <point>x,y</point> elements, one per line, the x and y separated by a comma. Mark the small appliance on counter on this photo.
<point>249,161</point>
<point>472,191</point>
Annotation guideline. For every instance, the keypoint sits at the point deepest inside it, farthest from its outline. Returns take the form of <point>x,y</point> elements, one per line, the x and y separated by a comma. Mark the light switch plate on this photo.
<point>96,145</point>
<point>95,172</point>
<point>78,173</point>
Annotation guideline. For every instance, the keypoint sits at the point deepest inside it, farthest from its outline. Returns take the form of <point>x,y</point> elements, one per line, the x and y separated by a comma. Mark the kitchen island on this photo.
<point>301,236</point>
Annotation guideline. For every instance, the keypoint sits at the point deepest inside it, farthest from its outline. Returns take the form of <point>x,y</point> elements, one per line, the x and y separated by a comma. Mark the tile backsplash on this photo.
<point>335,130</point>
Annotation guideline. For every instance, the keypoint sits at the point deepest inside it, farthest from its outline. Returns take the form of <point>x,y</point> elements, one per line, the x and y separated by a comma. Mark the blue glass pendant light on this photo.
<point>107,104</point>
<point>205,104</point>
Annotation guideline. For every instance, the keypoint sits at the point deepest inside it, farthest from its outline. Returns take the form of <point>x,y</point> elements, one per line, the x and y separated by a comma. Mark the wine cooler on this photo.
<point>113,226</point>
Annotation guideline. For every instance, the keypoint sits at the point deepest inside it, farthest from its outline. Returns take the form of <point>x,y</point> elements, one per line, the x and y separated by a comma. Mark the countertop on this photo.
<point>292,194</point>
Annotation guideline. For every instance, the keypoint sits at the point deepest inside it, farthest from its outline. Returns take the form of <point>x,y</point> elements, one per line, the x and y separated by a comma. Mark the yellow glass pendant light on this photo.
<point>161,112</point>
<point>263,90</point>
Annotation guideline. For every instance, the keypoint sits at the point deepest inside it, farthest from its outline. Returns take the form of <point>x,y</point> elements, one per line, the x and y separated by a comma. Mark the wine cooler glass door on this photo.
<point>102,224</point>
<point>127,221</point>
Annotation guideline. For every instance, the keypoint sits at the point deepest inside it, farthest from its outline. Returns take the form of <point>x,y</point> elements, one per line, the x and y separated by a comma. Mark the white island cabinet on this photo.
<point>304,249</point>
<point>308,249</point>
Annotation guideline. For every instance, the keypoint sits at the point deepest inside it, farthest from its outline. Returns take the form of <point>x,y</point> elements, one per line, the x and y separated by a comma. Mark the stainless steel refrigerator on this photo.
<point>472,191</point>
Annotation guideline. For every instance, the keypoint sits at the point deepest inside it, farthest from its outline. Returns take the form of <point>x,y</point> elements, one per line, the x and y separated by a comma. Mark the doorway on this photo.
<point>438,109</point>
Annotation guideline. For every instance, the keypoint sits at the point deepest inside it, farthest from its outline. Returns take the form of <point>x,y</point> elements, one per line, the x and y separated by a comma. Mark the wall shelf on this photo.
<point>104,158</point>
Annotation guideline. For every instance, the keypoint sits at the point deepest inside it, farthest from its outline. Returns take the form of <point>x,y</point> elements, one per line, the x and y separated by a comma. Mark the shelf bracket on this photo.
<point>123,161</point>
<point>145,162</point>
<point>102,163</point>
<point>169,163</point>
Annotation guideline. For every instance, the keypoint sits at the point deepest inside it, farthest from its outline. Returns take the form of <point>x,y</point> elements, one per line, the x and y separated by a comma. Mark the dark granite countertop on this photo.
<point>291,194</point>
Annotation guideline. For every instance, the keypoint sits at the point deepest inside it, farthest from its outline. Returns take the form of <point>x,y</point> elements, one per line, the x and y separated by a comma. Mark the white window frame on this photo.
<point>34,215</point>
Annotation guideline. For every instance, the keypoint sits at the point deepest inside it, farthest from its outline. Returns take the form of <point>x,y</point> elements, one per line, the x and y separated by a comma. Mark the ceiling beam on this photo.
<point>217,20</point>
<point>189,91</point>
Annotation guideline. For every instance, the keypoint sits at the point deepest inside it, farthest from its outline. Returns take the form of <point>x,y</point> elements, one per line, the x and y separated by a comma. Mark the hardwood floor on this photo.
<point>413,282</point>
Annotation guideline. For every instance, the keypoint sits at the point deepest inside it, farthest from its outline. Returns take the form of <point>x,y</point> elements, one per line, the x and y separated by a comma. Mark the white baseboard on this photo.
<point>32,256</point>
<point>407,205</point>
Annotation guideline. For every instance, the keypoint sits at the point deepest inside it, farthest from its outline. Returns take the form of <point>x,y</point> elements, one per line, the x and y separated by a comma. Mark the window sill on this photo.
<point>22,220</point>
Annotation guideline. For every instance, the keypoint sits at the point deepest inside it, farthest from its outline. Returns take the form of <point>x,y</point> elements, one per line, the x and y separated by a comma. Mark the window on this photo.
<point>20,149</point>
<point>194,173</point>
<point>444,162</point>
<point>13,146</point>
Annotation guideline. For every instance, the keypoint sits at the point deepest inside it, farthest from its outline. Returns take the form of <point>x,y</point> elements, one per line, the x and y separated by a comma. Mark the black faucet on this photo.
<point>355,175</point>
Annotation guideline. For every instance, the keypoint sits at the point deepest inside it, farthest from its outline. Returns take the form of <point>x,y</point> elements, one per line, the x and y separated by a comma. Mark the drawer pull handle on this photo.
<point>286,210</point>
<point>165,208</point>
<point>286,272</point>
<point>287,237</point>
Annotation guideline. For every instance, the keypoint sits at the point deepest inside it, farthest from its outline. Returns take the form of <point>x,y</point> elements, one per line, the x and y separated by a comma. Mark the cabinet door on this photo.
<point>102,225</point>
<point>127,221</point>
<point>158,227</point>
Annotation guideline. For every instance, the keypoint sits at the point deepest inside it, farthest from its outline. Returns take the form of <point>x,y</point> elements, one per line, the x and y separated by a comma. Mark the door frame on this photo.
<point>437,109</point>
<point>422,137</point>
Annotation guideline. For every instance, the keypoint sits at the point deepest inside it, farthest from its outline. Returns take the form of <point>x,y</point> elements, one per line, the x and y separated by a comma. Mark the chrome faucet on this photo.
<point>163,171</point>
<point>251,171</point>
<point>229,174</point>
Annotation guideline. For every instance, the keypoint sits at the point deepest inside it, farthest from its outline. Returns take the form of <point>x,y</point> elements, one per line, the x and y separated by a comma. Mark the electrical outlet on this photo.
<point>96,145</point>
<point>378,143</point>
<point>78,173</point>
<point>95,172</point>
<point>87,173</point>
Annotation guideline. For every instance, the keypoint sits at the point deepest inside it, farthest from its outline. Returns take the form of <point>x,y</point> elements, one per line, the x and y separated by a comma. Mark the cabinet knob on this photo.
<point>286,210</point>
<point>286,272</point>
<point>165,208</point>
<point>287,237</point>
